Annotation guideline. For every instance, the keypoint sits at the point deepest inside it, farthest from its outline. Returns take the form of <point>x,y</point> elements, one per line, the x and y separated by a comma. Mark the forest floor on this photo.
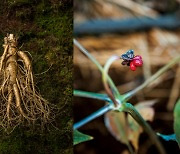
<point>44,29</point>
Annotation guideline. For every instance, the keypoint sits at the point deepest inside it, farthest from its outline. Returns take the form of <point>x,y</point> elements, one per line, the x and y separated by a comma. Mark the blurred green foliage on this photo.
<point>177,121</point>
<point>44,28</point>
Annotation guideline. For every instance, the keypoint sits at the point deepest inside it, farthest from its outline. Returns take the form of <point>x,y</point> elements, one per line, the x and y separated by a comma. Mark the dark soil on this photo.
<point>44,28</point>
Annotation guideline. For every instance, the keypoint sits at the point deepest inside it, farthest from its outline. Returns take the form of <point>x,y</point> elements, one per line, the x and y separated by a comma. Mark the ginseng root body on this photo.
<point>19,101</point>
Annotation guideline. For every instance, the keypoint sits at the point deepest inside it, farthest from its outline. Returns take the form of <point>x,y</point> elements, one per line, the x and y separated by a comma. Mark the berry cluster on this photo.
<point>136,62</point>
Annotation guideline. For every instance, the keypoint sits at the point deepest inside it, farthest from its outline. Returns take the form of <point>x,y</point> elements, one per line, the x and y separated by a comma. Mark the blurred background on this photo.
<point>105,28</point>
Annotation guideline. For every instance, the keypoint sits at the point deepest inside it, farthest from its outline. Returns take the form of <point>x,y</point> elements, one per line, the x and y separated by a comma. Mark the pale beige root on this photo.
<point>3,56</point>
<point>35,99</point>
<point>19,101</point>
<point>10,99</point>
<point>23,56</point>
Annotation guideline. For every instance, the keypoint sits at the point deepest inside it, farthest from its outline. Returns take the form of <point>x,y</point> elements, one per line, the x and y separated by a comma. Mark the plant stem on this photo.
<point>152,78</point>
<point>92,95</point>
<point>111,83</point>
<point>129,108</point>
<point>111,93</point>
<point>82,49</point>
<point>92,116</point>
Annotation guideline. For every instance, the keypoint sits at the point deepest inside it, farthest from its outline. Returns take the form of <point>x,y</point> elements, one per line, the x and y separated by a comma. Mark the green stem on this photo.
<point>152,78</point>
<point>88,54</point>
<point>111,83</point>
<point>115,94</point>
<point>94,115</point>
<point>92,95</point>
<point>129,108</point>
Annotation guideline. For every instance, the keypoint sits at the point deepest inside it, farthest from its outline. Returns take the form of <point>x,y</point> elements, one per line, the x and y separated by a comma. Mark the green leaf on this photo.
<point>80,137</point>
<point>171,137</point>
<point>177,121</point>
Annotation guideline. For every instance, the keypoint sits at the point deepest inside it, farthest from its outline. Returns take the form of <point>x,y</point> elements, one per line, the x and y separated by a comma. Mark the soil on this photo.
<point>44,29</point>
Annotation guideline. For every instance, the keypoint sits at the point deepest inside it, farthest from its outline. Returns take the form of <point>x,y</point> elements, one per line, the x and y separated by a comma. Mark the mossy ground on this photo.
<point>44,28</point>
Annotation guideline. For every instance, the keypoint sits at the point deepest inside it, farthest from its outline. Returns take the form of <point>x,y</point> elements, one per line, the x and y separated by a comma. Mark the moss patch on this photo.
<point>44,29</point>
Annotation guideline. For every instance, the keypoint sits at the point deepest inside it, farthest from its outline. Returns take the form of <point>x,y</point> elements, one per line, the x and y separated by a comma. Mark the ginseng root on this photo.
<point>20,102</point>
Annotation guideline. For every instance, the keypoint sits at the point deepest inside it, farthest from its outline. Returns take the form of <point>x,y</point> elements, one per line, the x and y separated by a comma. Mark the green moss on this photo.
<point>44,29</point>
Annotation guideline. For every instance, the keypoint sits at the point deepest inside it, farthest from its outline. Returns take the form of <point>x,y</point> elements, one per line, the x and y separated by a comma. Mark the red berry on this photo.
<point>137,62</point>
<point>138,57</point>
<point>132,66</point>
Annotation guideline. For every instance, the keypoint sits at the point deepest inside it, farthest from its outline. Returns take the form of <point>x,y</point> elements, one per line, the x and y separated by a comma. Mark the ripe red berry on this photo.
<point>137,62</point>
<point>132,66</point>
<point>138,57</point>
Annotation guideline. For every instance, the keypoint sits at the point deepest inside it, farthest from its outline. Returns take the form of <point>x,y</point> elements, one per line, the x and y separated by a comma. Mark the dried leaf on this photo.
<point>127,129</point>
<point>147,112</point>
<point>117,126</point>
<point>134,132</point>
